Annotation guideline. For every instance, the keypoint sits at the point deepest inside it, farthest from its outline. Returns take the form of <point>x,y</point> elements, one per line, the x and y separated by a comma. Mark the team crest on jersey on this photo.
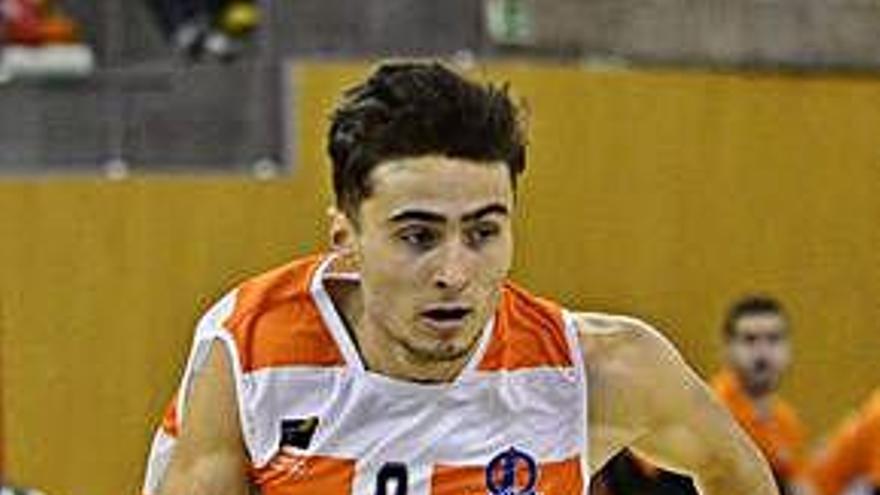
<point>298,432</point>
<point>512,472</point>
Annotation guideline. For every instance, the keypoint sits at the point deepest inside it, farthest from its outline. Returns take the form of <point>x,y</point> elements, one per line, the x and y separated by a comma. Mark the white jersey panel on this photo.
<point>572,332</point>
<point>368,416</point>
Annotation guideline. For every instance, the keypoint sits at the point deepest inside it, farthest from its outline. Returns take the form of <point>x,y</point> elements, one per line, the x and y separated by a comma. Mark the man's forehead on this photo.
<point>446,186</point>
<point>765,322</point>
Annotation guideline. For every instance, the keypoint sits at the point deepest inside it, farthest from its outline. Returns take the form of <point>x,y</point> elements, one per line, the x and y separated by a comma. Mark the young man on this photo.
<point>758,351</point>
<point>852,454</point>
<point>405,362</point>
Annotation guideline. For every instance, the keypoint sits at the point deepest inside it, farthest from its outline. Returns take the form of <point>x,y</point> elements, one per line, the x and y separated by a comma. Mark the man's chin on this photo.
<point>445,351</point>
<point>761,387</point>
<point>440,349</point>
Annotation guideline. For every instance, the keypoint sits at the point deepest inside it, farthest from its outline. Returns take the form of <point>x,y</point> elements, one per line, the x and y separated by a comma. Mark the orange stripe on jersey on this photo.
<point>529,333</point>
<point>276,321</point>
<point>170,425</point>
<point>554,478</point>
<point>292,474</point>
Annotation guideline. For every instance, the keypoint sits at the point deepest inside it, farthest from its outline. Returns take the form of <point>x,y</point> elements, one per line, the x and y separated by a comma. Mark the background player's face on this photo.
<point>759,351</point>
<point>434,243</point>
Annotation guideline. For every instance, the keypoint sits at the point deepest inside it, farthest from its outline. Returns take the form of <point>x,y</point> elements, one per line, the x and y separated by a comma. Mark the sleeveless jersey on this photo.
<point>315,421</point>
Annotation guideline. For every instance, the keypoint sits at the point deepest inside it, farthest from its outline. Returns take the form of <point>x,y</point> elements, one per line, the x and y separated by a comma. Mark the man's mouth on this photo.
<point>447,317</point>
<point>761,367</point>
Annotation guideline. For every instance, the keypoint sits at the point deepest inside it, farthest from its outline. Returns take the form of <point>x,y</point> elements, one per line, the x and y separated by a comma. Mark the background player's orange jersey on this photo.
<point>781,436</point>
<point>853,452</point>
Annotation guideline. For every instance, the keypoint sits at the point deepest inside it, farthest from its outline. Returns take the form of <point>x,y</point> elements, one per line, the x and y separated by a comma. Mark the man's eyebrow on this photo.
<point>494,208</point>
<point>408,215</point>
<point>416,215</point>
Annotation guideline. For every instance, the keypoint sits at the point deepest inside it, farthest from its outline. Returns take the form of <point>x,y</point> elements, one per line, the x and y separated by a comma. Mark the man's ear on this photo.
<point>342,235</point>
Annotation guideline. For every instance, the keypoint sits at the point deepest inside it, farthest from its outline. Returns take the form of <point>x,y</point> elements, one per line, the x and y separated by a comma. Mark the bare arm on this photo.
<point>644,396</point>
<point>209,457</point>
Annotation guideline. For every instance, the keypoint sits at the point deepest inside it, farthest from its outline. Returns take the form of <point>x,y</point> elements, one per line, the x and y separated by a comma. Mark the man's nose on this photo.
<point>453,272</point>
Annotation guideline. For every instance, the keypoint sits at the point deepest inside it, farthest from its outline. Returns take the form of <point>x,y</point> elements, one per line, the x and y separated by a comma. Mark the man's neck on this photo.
<point>763,405</point>
<point>761,400</point>
<point>387,356</point>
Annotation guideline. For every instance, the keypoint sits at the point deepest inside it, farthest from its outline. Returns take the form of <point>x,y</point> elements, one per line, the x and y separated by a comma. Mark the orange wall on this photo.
<point>663,194</point>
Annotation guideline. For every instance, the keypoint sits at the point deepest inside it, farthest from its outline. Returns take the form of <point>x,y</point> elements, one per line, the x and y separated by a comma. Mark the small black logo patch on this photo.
<point>298,432</point>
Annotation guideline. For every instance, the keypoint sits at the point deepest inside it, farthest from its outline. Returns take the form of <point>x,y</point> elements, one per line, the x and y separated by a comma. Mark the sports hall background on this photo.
<point>681,155</point>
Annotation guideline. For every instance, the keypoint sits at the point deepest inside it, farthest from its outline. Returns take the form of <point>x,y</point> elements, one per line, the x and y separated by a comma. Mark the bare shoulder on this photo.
<point>628,368</point>
<point>617,338</point>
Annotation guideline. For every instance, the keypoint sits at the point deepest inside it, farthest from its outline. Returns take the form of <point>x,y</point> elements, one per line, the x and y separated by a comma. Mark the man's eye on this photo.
<point>480,234</point>
<point>418,237</point>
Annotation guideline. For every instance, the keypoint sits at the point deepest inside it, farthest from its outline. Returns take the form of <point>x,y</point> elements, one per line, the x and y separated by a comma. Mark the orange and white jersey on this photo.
<point>314,420</point>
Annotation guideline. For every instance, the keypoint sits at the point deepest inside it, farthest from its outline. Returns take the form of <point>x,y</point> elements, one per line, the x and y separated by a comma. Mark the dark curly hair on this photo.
<point>410,109</point>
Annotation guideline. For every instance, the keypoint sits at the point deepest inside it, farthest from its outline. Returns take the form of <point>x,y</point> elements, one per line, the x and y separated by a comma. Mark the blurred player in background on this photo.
<point>406,362</point>
<point>852,454</point>
<point>758,352</point>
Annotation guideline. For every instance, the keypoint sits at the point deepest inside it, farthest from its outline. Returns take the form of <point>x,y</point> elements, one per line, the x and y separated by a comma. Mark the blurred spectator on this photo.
<point>35,22</point>
<point>206,27</point>
<point>626,474</point>
<point>758,351</point>
<point>40,41</point>
<point>852,454</point>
